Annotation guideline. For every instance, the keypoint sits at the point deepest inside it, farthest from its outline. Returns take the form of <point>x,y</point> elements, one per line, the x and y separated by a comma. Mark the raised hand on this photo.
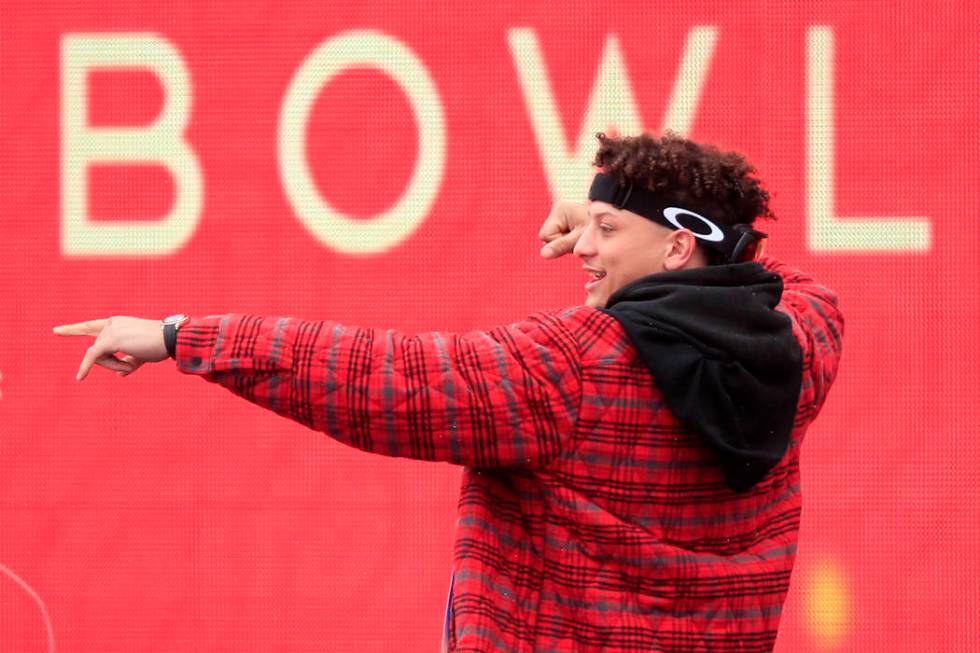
<point>562,228</point>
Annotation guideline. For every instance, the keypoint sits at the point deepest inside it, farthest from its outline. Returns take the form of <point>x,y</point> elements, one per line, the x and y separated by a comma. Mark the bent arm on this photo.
<point>508,396</point>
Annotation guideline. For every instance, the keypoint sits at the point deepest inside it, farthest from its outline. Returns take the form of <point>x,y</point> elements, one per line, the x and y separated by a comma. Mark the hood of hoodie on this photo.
<point>724,358</point>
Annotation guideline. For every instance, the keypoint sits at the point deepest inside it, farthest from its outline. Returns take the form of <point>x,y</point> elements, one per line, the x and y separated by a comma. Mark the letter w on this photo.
<point>611,104</point>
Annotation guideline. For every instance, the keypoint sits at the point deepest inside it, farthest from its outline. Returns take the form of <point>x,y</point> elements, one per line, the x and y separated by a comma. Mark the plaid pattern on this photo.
<point>589,519</point>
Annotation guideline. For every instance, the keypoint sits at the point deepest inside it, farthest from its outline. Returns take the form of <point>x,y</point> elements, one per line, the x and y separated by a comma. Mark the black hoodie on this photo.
<point>725,360</point>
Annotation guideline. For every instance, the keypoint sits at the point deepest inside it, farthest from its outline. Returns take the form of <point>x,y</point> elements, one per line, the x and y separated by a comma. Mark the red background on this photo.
<point>159,513</point>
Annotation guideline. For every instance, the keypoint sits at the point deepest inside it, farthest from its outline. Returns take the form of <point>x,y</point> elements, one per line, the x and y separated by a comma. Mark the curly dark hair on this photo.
<point>681,170</point>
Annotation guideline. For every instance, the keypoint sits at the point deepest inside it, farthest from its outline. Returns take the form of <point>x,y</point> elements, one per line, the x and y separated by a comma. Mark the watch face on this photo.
<point>175,319</point>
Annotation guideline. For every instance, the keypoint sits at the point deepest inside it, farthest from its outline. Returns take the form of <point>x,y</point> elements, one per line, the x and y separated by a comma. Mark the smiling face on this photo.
<point>619,247</point>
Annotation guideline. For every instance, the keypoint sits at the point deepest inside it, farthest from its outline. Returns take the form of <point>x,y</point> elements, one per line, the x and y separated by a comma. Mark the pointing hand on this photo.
<point>140,341</point>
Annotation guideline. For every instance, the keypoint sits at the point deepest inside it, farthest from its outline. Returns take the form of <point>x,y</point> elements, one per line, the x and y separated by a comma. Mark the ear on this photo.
<point>682,250</point>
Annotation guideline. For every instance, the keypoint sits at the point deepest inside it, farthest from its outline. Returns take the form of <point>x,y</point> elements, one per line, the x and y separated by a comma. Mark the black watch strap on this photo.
<point>170,326</point>
<point>170,339</point>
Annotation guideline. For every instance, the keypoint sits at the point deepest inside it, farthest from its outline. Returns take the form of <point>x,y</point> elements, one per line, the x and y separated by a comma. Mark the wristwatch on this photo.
<point>170,325</point>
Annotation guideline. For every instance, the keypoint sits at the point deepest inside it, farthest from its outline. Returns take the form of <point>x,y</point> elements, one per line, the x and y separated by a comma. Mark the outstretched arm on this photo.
<point>508,396</point>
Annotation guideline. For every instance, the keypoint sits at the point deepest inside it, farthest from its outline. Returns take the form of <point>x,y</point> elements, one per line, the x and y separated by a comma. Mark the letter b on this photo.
<point>162,142</point>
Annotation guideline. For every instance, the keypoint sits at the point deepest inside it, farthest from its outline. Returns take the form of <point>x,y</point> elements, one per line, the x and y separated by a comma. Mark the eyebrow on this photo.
<point>602,213</point>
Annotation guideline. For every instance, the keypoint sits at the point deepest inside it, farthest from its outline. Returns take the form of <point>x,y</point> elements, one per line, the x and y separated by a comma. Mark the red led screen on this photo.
<point>388,165</point>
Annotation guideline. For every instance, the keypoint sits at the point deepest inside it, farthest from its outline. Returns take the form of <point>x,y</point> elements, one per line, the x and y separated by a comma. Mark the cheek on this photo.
<point>632,263</point>
<point>629,255</point>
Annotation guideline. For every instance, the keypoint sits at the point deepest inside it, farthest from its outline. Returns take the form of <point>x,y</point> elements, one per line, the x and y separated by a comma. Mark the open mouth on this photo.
<point>595,276</point>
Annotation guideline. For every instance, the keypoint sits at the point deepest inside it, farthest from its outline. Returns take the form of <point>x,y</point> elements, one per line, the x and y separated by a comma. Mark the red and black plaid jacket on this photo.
<point>589,518</point>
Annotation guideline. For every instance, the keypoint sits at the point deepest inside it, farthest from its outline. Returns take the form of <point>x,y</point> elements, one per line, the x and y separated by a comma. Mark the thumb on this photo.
<point>562,245</point>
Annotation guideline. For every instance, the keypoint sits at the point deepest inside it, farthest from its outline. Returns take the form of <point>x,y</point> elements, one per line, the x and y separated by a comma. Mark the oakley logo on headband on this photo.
<point>715,234</point>
<point>737,243</point>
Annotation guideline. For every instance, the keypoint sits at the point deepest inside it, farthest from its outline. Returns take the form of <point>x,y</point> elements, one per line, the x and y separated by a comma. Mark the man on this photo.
<point>632,465</point>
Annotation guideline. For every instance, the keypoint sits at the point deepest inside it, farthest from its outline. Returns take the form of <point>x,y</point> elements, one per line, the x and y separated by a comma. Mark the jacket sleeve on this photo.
<point>508,396</point>
<point>818,326</point>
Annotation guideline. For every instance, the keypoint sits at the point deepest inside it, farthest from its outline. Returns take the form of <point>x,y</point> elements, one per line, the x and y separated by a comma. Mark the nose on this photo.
<point>585,245</point>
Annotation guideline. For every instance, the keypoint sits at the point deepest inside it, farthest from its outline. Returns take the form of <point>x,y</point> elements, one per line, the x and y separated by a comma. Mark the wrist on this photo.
<point>170,325</point>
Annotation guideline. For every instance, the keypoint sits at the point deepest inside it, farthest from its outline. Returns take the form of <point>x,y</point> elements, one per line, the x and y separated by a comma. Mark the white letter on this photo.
<point>161,143</point>
<point>698,50</point>
<point>611,104</point>
<point>387,54</point>
<point>827,232</point>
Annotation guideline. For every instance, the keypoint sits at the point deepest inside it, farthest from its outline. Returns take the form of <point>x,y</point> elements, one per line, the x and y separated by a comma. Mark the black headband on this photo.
<point>730,241</point>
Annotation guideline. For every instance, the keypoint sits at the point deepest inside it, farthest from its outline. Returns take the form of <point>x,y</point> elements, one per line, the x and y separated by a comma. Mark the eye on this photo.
<point>605,228</point>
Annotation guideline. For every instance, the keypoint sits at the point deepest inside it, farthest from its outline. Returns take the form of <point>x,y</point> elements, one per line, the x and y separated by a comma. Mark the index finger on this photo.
<point>90,328</point>
<point>562,245</point>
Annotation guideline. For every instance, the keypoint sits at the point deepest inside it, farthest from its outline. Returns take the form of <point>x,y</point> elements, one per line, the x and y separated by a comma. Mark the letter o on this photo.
<point>715,235</point>
<point>362,48</point>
